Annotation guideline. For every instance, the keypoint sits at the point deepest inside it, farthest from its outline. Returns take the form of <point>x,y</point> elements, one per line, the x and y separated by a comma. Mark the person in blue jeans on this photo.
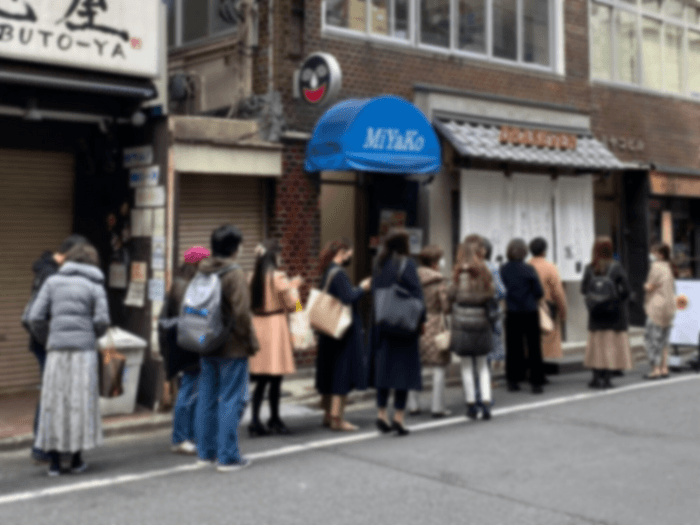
<point>223,380</point>
<point>43,268</point>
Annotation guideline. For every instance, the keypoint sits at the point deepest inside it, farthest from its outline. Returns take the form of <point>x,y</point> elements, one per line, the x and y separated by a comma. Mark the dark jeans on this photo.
<point>39,352</point>
<point>400,397</point>
<point>522,328</point>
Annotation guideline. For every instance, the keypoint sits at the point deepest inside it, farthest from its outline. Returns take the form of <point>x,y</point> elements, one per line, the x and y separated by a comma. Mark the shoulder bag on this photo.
<point>396,311</point>
<point>327,314</point>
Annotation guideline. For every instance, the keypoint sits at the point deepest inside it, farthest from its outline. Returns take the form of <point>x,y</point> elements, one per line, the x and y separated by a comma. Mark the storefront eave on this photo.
<point>461,162</point>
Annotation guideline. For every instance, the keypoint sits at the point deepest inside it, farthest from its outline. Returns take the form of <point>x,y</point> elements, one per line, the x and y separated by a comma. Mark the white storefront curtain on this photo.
<point>575,225</point>
<point>532,208</point>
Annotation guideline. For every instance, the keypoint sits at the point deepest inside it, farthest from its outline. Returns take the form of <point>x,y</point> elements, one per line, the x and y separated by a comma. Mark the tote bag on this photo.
<point>327,314</point>
<point>396,311</point>
<point>546,322</point>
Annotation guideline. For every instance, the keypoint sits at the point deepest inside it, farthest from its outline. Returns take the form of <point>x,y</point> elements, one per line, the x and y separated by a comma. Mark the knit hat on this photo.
<point>196,254</point>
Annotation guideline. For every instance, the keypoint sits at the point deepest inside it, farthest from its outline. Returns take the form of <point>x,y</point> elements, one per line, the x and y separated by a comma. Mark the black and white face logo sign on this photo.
<point>320,78</point>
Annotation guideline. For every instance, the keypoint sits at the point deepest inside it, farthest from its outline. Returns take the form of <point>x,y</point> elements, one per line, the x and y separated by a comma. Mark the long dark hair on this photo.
<point>396,243</point>
<point>264,264</point>
<point>330,250</point>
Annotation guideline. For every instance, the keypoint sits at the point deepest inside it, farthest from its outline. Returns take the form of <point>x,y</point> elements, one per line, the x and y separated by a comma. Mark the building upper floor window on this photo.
<point>196,20</point>
<point>651,43</point>
<point>519,31</point>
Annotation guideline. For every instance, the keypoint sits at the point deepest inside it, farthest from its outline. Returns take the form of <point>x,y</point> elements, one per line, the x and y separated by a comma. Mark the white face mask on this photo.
<point>652,257</point>
<point>441,264</point>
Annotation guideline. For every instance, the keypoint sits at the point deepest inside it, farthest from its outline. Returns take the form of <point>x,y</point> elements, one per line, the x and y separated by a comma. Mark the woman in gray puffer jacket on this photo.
<point>69,315</point>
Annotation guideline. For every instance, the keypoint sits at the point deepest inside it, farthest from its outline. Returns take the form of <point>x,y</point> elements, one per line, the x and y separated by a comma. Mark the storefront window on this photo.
<point>435,22</point>
<point>472,26</point>
<point>536,37</point>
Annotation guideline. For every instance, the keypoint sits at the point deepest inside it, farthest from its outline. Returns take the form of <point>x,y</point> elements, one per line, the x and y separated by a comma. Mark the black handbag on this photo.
<point>396,311</point>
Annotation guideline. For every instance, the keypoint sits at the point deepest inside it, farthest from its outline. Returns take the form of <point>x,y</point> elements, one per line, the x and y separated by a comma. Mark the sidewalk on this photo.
<point>299,397</point>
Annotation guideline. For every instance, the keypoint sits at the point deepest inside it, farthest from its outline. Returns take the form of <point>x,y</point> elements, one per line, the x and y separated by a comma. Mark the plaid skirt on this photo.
<point>69,418</point>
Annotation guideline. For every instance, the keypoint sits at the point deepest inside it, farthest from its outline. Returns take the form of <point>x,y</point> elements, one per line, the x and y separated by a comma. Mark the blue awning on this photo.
<point>384,134</point>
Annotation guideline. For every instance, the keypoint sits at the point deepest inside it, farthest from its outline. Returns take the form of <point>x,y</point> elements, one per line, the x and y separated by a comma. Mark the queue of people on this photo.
<point>68,313</point>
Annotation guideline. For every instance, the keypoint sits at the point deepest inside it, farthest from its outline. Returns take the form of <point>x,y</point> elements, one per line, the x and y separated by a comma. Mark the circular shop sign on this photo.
<point>320,78</point>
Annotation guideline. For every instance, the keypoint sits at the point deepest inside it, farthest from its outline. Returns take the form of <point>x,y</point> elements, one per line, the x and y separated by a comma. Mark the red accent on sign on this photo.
<point>314,95</point>
<point>136,43</point>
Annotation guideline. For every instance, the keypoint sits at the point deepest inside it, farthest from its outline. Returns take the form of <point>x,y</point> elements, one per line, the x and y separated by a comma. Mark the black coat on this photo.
<point>395,360</point>
<point>341,364</point>
<point>43,268</point>
<point>176,359</point>
<point>618,320</point>
<point>523,287</point>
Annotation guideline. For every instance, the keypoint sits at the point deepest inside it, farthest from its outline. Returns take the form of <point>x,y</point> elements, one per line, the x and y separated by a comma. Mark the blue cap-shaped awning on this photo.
<point>384,134</point>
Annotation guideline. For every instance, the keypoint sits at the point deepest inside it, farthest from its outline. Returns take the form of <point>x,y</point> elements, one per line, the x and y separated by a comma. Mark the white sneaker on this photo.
<point>205,462</point>
<point>233,467</point>
<point>186,447</point>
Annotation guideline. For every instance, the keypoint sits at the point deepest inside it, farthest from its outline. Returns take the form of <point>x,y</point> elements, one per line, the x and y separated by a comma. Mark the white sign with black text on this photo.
<point>113,36</point>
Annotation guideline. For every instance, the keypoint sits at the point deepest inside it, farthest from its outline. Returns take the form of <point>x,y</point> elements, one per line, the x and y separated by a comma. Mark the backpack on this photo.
<point>200,326</point>
<point>602,296</point>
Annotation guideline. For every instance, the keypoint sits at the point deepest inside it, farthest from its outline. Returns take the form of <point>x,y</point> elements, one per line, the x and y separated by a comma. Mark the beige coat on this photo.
<point>275,356</point>
<point>660,298</point>
<point>436,303</point>
<point>553,293</point>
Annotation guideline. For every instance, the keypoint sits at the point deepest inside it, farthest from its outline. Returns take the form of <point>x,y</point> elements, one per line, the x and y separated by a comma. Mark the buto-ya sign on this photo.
<point>319,79</point>
<point>537,138</point>
<point>117,36</point>
<point>393,139</point>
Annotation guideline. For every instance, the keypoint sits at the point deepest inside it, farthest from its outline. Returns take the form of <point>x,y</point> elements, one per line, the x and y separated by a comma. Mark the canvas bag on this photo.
<point>327,314</point>
<point>396,311</point>
<point>111,370</point>
<point>602,296</point>
<point>546,322</point>
<point>200,326</point>
<point>442,340</point>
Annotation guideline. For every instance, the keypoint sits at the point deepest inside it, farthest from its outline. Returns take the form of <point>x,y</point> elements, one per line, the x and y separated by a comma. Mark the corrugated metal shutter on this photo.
<point>209,201</point>
<point>36,212</point>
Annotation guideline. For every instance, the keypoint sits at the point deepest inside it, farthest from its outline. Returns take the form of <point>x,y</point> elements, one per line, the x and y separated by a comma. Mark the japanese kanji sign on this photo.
<point>116,36</point>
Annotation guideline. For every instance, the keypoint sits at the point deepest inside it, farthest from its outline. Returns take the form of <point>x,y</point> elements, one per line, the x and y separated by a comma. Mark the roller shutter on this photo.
<point>36,213</point>
<point>209,201</point>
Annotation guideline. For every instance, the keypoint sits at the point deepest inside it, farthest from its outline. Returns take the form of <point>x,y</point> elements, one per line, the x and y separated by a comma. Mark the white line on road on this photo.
<point>313,445</point>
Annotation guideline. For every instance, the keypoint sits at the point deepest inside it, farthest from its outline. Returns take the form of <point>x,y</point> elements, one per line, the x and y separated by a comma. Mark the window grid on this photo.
<point>179,26</point>
<point>666,21</point>
<point>414,37</point>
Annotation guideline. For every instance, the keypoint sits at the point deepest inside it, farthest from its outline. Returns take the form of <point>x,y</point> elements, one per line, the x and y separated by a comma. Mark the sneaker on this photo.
<point>186,447</point>
<point>79,468</point>
<point>39,456</point>
<point>233,467</point>
<point>205,462</point>
<point>54,471</point>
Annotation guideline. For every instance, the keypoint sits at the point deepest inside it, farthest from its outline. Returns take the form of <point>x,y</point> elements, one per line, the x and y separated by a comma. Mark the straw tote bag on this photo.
<point>327,314</point>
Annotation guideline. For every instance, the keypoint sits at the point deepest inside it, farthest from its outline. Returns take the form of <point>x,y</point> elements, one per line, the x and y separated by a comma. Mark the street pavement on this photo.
<point>571,456</point>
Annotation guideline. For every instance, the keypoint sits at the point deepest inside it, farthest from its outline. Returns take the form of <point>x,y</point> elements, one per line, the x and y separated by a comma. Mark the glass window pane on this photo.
<point>349,14</point>
<point>219,24</point>
<point>472,26</point>
<point>171,25</point>
<point>505,29</point>
<point>673,58</point>
<point>652,5</point>
<point>673,8</point>
<point>435,22</point>
<point>601,38</point>
<point>380,17</point>
<point>627,46</point>
<point>692,15</point>
<point>195,20</point>
<point>694,63</point>
<point>401,19</point>
<point>651,53</point>
<point>536,32</point>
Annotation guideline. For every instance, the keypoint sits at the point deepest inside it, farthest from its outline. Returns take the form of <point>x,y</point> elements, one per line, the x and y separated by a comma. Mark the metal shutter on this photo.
<point>209,201</point>
<point>36,213</point>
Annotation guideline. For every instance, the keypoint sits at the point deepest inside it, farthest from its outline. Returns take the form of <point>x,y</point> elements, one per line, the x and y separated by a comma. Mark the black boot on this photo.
<point>596,381</point>
<point>256,428</point>
<point>77,464</point>
<point>55,466</point>
<point>606,379</point>
<point>277,426</point>
<point>472,411</point>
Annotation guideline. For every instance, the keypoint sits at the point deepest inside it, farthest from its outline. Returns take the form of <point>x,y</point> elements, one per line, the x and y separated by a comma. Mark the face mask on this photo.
<point>652,257</point>
<point>441,264</point>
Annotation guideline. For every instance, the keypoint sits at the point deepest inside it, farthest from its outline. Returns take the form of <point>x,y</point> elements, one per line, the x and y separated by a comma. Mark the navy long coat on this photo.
<point>341,365</point>
<point>395,360</point>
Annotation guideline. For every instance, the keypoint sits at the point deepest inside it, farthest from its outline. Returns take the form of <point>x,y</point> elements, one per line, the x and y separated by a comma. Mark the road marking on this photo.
<point>315,445</point>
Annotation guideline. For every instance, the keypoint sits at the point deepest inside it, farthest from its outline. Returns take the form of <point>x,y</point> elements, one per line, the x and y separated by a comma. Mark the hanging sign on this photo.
<point>137,156</point>
<point>154,196</point>
<point>158,253</point>
<point>115,36</point>
<point>537,138</point>
<point>140,177</point>
<point>117,275</point>
<point>319,80</point>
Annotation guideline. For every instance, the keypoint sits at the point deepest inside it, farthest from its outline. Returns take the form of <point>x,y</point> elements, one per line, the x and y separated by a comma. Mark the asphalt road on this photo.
<point>572,456</point>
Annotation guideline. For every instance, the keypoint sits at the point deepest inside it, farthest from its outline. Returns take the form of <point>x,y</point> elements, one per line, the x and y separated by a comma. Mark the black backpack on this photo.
<point>602,295</point>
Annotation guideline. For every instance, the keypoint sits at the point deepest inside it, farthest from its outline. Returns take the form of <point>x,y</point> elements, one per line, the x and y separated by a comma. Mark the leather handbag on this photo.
<point>396,311</point>
<point>442,340</point>
<point>546,322</point>
<point>327,314</point>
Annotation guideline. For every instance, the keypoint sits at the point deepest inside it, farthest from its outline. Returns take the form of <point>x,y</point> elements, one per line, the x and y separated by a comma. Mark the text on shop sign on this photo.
<point>537,138</point>
<point>391,139</point>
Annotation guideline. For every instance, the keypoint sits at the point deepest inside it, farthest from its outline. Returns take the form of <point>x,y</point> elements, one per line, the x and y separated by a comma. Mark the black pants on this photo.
<point>400,398</point>
<point>275,392</point>
<point>522,328</point>
<point>40,352</point>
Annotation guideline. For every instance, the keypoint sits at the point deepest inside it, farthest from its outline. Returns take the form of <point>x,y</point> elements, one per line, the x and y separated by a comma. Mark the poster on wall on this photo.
<point>136,294</point>
<point>389,219</point>
<point>158,222</point>
<point>150,196</point>
<point>117,276</point>
<point>142,222</point>
<point>415,240</point>
<point>156,290</point>
<point>686,329</point>
<point>575,225</point>
<point>158,253</point>
<point>139,271</point>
